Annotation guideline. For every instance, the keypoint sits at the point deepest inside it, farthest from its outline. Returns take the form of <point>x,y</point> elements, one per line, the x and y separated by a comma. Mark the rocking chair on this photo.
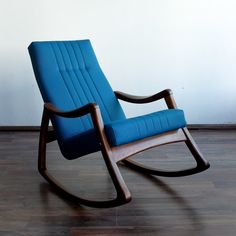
<point>87,117</point>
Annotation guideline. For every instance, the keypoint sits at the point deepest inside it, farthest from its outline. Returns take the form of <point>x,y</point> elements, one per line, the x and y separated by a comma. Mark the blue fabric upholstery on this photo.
<point>69,76</point>
<point>129,130</point>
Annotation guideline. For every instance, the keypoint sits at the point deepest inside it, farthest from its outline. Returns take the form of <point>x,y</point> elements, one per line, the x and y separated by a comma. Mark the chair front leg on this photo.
<point>42,142</point>
<point>202,163</point>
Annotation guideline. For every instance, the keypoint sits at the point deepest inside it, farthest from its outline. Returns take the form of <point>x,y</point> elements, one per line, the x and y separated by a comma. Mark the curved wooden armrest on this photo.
<point>88,108</point>
<point>50,109</point>
<point>143,99</point>
<point>167,94</point>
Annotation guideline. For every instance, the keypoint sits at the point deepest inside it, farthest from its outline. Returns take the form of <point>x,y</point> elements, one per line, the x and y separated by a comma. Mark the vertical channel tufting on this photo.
<point>62,67</point>
<point>76,71</point>
<point>86,93</point>
<point>80,95</point>
<point>91,85</point>
<point>82,79</point>
<point>79,69</point>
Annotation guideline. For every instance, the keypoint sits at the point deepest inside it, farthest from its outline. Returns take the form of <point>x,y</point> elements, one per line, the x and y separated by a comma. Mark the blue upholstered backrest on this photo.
<point>69,76</point>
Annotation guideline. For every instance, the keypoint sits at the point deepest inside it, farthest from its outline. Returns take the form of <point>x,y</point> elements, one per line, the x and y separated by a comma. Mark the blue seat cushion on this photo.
<point>133,129</point>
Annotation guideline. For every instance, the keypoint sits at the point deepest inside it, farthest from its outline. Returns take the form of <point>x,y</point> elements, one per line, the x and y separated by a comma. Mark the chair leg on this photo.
<point>199,158</point>
<point>123,194</point>
<point>202,164</point>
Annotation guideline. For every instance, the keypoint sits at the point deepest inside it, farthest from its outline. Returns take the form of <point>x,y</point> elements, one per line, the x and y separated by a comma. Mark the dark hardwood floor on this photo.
<point>203,204</point>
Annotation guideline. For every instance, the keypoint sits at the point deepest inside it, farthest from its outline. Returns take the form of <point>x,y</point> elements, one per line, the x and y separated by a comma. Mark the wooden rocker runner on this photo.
<point>87,117</point>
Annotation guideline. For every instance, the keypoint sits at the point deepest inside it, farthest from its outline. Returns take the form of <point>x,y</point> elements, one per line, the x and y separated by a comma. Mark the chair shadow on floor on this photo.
<point>195,222</point>
<point>174,195</point>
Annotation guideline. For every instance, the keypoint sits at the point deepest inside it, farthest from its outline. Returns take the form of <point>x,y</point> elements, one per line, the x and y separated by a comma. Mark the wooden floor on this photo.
<point>203,204</point>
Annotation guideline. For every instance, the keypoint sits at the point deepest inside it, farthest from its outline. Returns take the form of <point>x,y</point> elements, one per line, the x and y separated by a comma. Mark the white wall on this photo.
<point>143,46</point>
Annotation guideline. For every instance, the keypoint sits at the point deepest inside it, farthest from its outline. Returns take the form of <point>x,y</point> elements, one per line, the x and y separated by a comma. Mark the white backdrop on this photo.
<point>143,46</point>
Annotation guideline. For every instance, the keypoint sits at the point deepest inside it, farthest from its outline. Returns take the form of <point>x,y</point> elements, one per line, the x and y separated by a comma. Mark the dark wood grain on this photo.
<point>166,94</point>
<point>143,99</point>
<point>203,204</point>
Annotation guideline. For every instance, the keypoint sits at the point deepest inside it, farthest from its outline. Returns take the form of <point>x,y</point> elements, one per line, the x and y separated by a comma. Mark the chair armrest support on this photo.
<point>167,94</point>
<point>88,108</point>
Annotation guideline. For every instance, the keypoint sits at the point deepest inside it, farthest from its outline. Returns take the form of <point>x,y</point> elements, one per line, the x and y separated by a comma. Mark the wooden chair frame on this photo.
<point>113,155</point>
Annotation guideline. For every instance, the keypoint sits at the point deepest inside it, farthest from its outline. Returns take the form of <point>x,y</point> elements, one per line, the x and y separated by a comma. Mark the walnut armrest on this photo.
<point>166,94</point>
<point>88,108</point>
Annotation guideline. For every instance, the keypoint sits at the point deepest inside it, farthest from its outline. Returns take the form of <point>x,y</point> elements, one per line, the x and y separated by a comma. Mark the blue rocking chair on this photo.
<point>86,117</point>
